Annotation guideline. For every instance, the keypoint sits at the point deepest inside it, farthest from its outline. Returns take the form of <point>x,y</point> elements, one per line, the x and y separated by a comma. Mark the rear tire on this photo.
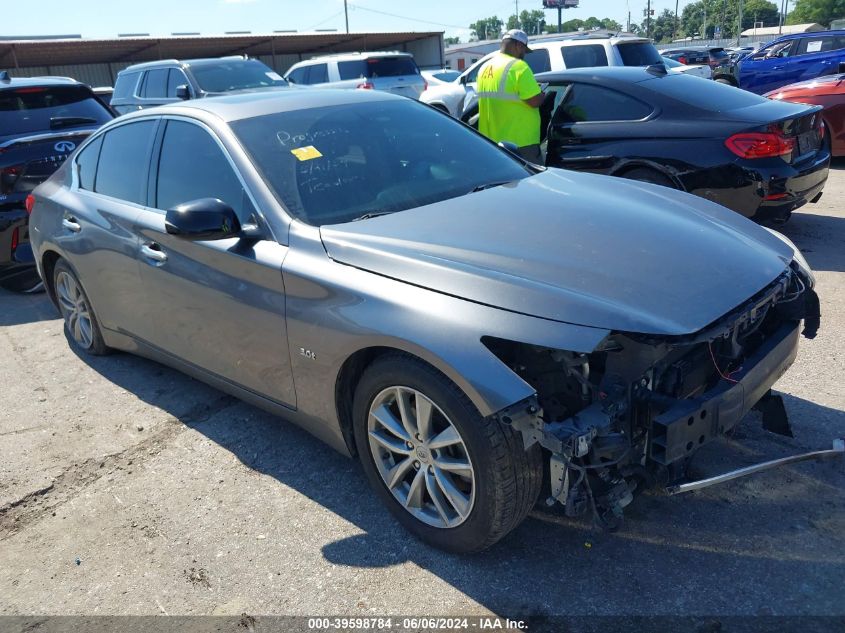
<point>649,175</point>
<point>496,478</point>
<point>81,325</point>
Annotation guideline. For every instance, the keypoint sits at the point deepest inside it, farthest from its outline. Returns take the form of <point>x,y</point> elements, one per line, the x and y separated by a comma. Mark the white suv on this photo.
<point>551,53</point>
<point>391,71</point>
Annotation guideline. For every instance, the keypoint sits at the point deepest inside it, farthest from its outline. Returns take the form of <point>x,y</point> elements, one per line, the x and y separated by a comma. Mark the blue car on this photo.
<point>792,58</point>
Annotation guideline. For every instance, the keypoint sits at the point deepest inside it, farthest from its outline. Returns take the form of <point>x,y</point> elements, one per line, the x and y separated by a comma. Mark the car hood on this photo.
<point>579,248</point>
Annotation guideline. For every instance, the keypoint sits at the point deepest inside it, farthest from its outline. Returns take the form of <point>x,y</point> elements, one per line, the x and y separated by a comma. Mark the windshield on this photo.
<point>337,163</point>
<point>375,67</point>
<point>638,54</point>
<point>45,108</point>
<point>226,75</point>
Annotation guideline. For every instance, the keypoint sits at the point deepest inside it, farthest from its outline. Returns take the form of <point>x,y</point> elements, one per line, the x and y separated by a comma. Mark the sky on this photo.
<point>105,19</point>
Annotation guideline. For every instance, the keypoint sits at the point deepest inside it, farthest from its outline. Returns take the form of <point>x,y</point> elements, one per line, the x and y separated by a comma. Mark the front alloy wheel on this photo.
<point>421,457</point>
<point>452,477</point>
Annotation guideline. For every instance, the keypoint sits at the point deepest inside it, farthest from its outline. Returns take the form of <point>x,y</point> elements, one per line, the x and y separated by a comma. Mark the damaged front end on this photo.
<point>631,413</point>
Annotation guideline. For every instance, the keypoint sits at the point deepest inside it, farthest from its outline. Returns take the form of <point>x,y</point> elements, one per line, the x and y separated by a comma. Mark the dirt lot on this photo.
<point>128,488</point>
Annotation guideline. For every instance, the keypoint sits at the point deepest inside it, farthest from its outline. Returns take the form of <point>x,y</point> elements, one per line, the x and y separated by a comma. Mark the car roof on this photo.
<point>184,62</point>
<point>19,82</point>
<point>356,55</point>
<point>798,36</point>
<point>627,74</point>
<point>252,104</point>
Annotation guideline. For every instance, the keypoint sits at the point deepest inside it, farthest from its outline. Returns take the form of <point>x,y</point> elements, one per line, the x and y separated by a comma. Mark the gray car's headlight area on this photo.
<point>797,257</point>
<point>636,408</point>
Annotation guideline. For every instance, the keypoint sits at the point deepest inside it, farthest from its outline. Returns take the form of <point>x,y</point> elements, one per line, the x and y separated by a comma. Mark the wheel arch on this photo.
<point>631,165</point>
<point>48,264</point>
<point>353,367</point>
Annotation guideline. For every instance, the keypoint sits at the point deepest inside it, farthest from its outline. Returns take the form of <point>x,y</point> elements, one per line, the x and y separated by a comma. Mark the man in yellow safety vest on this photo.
<point>509,98</point>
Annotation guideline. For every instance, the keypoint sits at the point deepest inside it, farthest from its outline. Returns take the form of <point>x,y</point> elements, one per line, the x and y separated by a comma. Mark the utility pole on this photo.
<point>559,20</point>
<point>346,14</point>
<point>648,19</point>
<point>675,22</point>
<point>628,26</point>
<point>739,28</point>
<point>704,29</point>
<point>516,4</point>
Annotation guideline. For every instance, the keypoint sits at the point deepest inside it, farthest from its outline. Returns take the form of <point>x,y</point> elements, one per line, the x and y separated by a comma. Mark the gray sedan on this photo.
<point>474,328</point>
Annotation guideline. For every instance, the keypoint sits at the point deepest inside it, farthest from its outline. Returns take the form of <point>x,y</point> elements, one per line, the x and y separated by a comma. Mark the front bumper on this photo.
<point>682,429</point>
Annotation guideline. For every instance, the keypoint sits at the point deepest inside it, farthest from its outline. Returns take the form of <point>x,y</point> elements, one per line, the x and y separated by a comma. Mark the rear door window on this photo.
<point>638,53</point>
<point>155,84</point>
<point>585,103</point>
<point>584,56</point>
<point>375,67</point>
<point>44,108</point>
<point>815,45</point>
<point>124,159</point>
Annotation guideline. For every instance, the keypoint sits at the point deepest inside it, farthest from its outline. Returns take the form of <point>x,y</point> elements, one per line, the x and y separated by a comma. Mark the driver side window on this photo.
<point>193,166</point>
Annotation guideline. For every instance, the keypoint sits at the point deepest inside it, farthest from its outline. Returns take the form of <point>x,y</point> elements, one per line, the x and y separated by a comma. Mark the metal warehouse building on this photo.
<point>97,62</point>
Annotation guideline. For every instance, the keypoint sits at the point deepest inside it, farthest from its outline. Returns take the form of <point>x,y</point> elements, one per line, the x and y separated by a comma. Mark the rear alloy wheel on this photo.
<point>453,478</point>
<point>80,322</point>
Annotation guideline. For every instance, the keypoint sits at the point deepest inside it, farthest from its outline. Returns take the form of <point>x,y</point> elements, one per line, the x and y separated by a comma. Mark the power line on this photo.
<point>405,17</point>
<point>331,17</point>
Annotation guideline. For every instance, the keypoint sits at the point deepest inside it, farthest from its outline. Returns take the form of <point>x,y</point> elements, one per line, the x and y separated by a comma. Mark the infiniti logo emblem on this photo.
<point>64,146</point>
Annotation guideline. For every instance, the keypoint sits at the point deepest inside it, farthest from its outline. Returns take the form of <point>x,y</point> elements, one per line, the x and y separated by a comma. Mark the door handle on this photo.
<point>153,251</point>
<point>71,224</point>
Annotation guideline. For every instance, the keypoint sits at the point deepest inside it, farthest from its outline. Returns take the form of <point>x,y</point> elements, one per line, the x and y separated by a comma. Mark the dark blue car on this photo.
<point>792,58</point>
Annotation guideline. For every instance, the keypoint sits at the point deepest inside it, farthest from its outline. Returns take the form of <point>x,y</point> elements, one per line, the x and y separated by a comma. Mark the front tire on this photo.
<point>453,478</point>
<point>81,325</point>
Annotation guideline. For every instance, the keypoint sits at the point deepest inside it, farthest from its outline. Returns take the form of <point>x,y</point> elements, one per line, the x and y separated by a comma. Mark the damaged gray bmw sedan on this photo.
<point>474,328</point>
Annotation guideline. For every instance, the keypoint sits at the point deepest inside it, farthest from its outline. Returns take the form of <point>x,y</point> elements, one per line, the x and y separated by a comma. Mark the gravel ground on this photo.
<point>128,488</point>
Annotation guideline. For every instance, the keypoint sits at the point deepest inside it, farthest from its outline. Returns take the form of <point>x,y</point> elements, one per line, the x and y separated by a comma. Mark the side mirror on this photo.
<point>182,92</point>
<point>463,79</point>
<point>203,219</point>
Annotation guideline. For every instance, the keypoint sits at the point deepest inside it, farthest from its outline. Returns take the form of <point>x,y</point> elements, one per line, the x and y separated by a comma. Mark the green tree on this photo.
<point>531,22</point>
<point>725,14</point>
<point>592,23</point>
<point>760,11</point>
<point>451,40</point>
<point>635,29</point>
<point>663,25</point>
<point>819,11</point>
<point>487,28</point>
<point>611,25</point>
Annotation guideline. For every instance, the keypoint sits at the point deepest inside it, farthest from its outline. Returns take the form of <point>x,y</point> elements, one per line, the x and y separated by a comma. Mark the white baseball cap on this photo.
<point>518,35</point>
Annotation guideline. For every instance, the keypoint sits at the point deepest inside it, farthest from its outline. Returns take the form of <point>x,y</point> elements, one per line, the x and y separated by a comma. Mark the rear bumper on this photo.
<point>685,427</point>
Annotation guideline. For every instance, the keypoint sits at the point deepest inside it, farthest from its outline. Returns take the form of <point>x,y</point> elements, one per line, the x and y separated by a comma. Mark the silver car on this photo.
<point>409,292</point>
<point>389,71</point>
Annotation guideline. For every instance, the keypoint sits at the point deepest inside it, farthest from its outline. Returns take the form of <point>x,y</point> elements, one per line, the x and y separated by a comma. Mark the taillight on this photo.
<point>682,60</point>
<point>821,131</point>
<point>15,239</point>
<point>760,144</point>
<point>365,86</point>
<point>8,177</point>
<point>29,203</point>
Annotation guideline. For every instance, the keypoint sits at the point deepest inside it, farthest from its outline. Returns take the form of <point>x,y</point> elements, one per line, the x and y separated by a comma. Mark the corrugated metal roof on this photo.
<point>25,53</point>
<point>789,29</point>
